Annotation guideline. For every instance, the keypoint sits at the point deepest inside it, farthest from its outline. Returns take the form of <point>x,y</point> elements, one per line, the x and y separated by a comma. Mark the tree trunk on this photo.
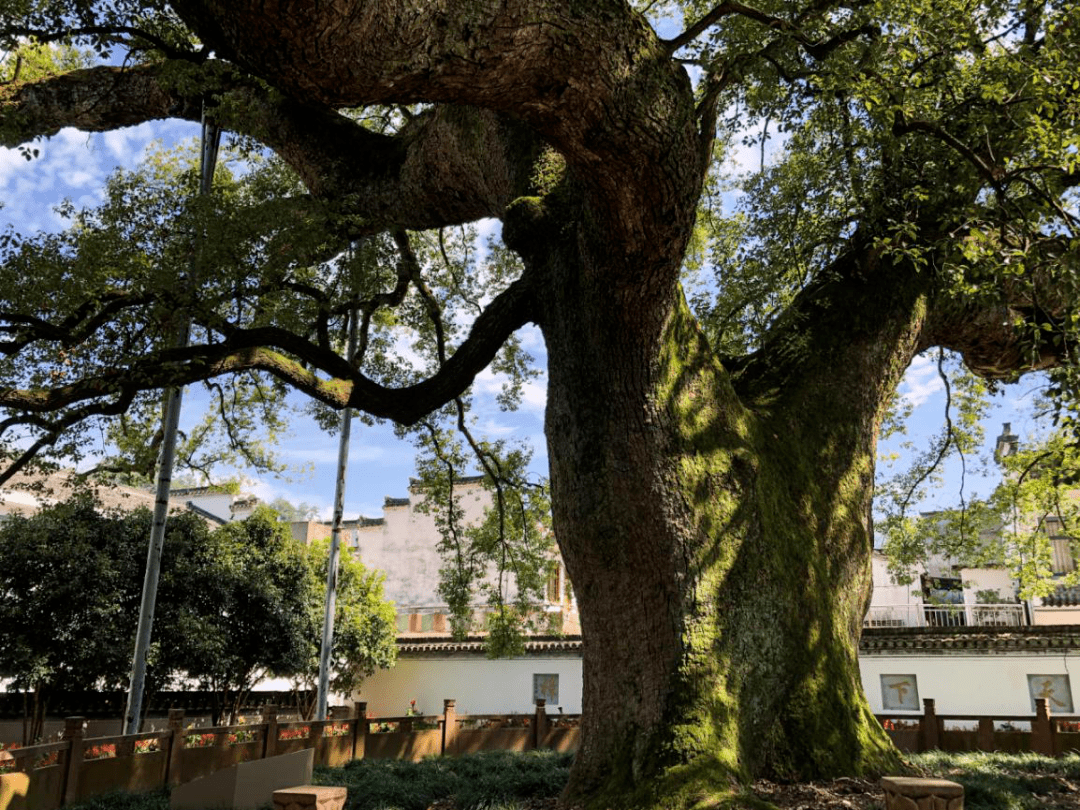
<point>718,541</point>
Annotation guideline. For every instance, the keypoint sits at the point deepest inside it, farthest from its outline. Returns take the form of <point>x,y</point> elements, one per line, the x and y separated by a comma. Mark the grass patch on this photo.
<point>154,800</point>
<point>500,780</point>
<point>999,781</point>
<point>489,780</point>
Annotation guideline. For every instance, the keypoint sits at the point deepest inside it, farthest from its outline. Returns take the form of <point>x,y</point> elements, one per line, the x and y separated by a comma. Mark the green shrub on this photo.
<point>485,780</point>
<point>155,800</point>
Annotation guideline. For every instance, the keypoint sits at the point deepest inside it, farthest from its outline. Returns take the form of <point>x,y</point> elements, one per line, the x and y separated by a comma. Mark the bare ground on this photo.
<point>1056,793</point>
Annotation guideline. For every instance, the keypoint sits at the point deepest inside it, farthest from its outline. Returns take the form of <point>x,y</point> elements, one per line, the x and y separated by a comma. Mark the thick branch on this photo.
<point>593,80</point>
<point>994,341</point>
<point>448,166</point>
<point>261,350</point>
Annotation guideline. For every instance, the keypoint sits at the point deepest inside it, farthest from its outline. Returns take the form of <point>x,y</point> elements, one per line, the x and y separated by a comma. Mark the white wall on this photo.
<point>959,684</point>
<point>886,591</point>
<point>405,547</point>
<point>971,684</point>
<point>479,685</point>
<point>987,579</point>
<point>1055,615</point>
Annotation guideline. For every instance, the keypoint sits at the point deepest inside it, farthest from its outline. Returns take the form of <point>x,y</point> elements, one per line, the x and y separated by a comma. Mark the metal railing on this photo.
<point>1003,615</point>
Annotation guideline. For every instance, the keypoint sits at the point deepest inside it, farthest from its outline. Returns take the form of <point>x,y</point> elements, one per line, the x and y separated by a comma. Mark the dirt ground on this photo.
<point>1055,793</point>
<point>839,794</point>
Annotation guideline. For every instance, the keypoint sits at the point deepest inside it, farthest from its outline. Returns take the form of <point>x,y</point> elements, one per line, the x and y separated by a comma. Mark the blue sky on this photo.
<point>75,165</point>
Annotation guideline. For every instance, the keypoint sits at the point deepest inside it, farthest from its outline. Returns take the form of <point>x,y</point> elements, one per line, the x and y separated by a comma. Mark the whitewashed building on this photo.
<point>939,637</point>
<point>403,544</point>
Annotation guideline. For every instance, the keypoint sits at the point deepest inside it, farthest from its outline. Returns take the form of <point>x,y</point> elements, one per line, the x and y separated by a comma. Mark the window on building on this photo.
<point>1061,556</point>
<point>546,687</point>
<point>554,583</point>
<point>1055,688</point>
<point>900,693</point>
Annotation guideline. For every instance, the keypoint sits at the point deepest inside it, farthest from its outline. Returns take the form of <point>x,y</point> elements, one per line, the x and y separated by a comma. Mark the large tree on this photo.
<point>712,475</point>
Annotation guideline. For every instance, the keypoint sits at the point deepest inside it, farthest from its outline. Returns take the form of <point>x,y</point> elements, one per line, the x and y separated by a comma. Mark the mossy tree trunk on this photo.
<point>714,515</point>
<point>716,527</point>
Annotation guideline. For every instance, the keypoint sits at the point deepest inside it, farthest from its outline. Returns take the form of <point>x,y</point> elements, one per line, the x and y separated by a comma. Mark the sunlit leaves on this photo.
<point>505,560</point>
<point>1033,510</point>
<point>364,625</point>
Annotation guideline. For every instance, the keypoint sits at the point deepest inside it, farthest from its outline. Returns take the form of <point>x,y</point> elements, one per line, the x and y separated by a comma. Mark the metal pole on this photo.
<point>211,137</point>
<point>335,546</point>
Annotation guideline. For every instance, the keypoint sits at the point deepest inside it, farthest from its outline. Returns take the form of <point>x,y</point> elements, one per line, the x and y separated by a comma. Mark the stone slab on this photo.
<point>246,786</point>
<point>13,790</point>
<point>310,797</point>
<point>918,793</point>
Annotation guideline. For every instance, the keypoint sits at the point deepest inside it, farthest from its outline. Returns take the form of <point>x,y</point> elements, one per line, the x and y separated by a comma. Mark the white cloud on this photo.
<point>534,395</point>
<point>744,154</point>
<point>322,450</point>
<point>532,341</point>
<point>921,381</point>
<point>73,164</point>
<point>487,228</point>
<point>495,429</point>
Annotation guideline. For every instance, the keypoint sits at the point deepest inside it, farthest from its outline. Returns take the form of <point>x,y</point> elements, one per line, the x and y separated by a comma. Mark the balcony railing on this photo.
<point>945,616</point>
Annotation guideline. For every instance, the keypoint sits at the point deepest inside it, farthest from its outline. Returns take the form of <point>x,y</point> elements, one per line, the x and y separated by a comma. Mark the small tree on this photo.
<point>70,579</point>
<point>1035,504</point>
<point>252,613</point>
<point>233,604</point>
<point>364,629</point>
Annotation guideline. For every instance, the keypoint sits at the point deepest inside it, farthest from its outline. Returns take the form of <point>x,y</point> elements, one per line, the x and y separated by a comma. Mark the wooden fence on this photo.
<point>48,776</point>
<point>45,777</point>
<point>1045,734</point>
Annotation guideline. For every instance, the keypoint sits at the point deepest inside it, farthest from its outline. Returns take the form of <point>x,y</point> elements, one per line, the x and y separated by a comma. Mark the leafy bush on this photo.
<point>483,780</point>
<point>155,800</point>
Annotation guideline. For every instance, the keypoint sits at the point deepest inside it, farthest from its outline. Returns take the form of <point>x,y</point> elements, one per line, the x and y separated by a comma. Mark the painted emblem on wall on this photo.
<point>900,692</point>
<point>1056,690</point>
<point>546,687</point>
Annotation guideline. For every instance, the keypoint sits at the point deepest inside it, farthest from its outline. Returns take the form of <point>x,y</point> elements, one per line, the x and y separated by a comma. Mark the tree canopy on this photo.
<point>234,605</point>
<point>712,465</point>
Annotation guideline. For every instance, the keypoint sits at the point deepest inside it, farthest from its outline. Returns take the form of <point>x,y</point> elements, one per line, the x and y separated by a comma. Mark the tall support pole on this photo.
<point>335,546</point>
<point>211,138</point>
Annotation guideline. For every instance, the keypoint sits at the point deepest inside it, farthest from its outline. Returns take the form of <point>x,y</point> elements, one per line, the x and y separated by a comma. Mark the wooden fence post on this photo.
<point>360,729</point>
<point>315,734</point>
<point>930,727</point>
<point>270,734</point>
<point>540,723</point>
<point>174,764</point>
<point>449,727</point>
<point>1042,729</point>
<point>125,748</point>
<point>986,734</point>
<point>74,734</point>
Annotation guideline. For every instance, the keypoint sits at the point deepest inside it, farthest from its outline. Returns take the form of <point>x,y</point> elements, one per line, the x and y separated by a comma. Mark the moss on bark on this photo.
<point>771,572</point>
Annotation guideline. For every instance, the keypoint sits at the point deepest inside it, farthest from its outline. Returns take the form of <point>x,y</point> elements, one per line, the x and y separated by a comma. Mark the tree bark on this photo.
<point>717,532</point>
<point>715,520</point>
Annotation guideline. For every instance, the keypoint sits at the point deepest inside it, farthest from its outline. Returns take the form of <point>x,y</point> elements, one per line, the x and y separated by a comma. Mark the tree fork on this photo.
<point>721,579</point>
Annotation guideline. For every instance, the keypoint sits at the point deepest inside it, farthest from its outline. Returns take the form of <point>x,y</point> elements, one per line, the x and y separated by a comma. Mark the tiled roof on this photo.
<point>25,494</point>
<point>917,640</point>
<point>411,647</point>
<point>888,641</point>
<point>1063,597</point>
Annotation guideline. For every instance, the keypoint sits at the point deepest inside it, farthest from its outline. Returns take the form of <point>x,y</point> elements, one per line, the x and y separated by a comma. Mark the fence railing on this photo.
<point>48,776</point>
<point>1044,733</point>
<point>1003,615</point>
